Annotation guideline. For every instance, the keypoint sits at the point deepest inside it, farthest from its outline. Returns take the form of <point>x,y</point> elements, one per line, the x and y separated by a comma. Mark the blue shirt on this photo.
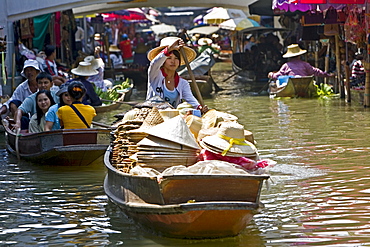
<point>171,96</point>
<point>52,116</point>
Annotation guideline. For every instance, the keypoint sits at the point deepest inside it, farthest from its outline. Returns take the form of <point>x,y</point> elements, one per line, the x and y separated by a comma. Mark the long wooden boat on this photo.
<point>186,206</point>
<point>72,147</point>
<point>204,82</point>
<point>125,96</point>
<point>295,87</point>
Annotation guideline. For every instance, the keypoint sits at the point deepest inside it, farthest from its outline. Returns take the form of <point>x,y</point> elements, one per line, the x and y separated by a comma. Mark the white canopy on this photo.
<point>163,28</point>
<point>207,30</point>
<point>218,15</point>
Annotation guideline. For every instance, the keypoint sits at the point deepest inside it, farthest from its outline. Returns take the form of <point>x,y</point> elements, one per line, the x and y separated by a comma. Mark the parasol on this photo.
<point>238,24</point>
<point>218,15</point>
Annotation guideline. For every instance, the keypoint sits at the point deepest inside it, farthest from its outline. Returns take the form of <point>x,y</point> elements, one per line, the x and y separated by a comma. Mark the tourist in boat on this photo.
<point>163,79</point>
<point>28,106</point>
<point>51,116</point>
<point>83,71</point>
<point>30,71</point>
<point>44,100</point>
<point>296,67</point>
<point>76,115</point>
<point>125,47</point>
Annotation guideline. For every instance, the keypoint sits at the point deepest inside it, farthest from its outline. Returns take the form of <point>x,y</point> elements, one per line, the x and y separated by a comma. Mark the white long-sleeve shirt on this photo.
<point>156,82</point>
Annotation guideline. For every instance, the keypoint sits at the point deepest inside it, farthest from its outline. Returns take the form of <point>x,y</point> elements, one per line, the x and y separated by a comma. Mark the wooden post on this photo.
<point>348,82</point>
<point>337,62</point>
<point>367,85</point>
<point>327,61</point>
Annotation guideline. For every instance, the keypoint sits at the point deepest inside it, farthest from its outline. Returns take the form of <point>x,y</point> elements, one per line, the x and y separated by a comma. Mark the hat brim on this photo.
<point>287,55</point>
<point>190,54</point>
<point>76,71</point>
<point>221,144</point>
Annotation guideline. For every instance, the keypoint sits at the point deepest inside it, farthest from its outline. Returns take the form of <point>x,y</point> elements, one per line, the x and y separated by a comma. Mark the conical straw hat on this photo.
<point>152,119</point>
<point>159,143</point>
<point>175,130</point>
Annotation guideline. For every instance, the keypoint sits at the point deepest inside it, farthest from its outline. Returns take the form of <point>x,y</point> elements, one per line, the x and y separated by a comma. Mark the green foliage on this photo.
<point>115,92</point>
<point>324,90</point>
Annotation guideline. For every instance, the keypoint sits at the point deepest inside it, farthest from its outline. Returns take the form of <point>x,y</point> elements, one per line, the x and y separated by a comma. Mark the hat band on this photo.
<point>232,141</point>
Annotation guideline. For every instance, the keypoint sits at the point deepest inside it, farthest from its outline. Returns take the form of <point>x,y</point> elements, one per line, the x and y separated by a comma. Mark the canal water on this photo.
<point>318,195</point>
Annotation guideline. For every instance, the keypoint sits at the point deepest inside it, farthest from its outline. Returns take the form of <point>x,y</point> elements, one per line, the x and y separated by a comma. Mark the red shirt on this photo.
<point>125,47</point>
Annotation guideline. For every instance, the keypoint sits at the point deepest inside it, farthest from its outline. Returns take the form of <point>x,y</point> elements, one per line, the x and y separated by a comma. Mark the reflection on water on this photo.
<point>318,196</point>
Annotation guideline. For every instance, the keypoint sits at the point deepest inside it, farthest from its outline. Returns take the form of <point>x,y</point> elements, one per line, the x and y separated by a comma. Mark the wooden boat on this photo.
<point>125,96</point>
<point>186,206</point>
<point>72,147</point>
<point>204,82</point>
<point>295,87</point>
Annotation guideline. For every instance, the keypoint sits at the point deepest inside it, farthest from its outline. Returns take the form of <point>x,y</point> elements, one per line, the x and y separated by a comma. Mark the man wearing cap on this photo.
<point>28,106</point>
<point>296,67</point>
<point>30,71</point>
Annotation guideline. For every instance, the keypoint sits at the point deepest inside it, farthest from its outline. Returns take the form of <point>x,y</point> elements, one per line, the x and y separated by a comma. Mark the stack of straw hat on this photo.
<point>167,144</point>
<point>122,146</point>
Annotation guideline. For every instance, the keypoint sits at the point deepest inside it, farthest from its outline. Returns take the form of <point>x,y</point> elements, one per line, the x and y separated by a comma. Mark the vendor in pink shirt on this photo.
<point>296,67</point>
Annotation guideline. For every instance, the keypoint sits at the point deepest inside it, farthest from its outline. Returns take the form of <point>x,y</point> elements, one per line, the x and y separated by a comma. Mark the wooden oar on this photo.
<point>194,83</point>
<point>120,102</point>
<point>102,125</point>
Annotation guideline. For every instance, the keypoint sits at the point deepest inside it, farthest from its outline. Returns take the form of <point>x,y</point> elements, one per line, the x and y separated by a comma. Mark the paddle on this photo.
<point>193,82</point>
<point>234,74</point>
<point>120,102</point>
<point>102,125</point>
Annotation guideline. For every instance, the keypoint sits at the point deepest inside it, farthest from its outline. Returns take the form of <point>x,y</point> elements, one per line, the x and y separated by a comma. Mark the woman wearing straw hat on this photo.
<point>296,67</point>
<point>83,71</point>
<point>163,79</point>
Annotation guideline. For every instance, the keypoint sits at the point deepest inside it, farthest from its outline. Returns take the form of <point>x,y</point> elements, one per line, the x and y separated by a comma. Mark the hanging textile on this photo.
<point>27,29</point>
<point>41,25</point>
<point>57,32</point>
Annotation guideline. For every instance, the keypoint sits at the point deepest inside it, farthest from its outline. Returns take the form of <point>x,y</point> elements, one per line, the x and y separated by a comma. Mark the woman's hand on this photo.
<point>176,45</point>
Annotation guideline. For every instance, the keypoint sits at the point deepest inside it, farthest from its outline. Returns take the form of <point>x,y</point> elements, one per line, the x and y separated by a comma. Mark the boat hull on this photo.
<point>173,208</point>
<point>61,147</point>
<point>302,87</point>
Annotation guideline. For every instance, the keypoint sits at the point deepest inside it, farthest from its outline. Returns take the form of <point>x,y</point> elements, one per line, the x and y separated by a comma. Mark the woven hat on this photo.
<point>165,42</point>
<point>175,130</point>
<point>156,143</point>
<point>293,51</point>
<point>169,113</point>
<point>97,36</point>
<point>229,139</point>
<point>84,69</point>
<point>194,123</point>
<point>30,63</point>
<point>95,62</point>
<point>152,119</point>
<point>205,41</point>
<point>114,48</point>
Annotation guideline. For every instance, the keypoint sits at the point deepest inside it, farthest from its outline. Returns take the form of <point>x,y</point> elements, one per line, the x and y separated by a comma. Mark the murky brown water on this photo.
<point>319,194</point>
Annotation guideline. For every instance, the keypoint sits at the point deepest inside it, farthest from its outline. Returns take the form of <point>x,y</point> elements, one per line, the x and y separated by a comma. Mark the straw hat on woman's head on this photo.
<point>293,51</point>
<point>84,69</point>
<point>168,41</point>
